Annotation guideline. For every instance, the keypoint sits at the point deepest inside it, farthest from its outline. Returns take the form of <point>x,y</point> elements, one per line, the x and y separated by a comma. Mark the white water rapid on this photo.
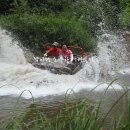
<point>16,75</point>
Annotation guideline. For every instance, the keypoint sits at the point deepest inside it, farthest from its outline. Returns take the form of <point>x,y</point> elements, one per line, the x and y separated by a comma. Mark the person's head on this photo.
<point>47,46</point>
<point>64,48</point>
<point>55,44</point>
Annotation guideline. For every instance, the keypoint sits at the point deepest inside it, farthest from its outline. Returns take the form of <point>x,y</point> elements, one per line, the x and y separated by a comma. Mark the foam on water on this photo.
<point>16,75</point>
<point>10,52</point>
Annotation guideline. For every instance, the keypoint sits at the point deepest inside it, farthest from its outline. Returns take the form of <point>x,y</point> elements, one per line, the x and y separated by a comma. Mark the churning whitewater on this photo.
<point>17,75</point>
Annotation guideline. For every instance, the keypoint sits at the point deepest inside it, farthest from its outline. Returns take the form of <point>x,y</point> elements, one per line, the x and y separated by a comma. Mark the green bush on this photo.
<point>5,6</point>
<point>79,115</point>
<point>125,17</point>
<point>34,31</point>
<point>91,13</point>
<point>123,3</point>
<point>44,7</point>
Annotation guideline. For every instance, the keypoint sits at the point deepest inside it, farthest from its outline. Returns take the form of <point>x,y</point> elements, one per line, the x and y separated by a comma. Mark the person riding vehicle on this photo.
<point>66,53</point>
<point>54,51</point>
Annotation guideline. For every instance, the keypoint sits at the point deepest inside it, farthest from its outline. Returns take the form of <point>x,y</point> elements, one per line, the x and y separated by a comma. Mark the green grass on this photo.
<point>34,31</point>
<point>78,114</point>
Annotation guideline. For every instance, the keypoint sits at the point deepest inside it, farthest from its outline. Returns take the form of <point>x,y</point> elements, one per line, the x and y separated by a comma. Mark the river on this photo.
<point>18,76</point>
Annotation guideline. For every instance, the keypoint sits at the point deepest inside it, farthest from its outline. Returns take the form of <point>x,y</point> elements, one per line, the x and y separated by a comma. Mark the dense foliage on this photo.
<point>125,16</point>
<point>36,30</point>
<point>66,21</point>
<point>76,114</point>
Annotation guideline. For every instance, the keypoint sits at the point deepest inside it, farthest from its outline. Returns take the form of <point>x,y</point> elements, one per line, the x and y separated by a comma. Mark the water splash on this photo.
<point>16,75</point>
<point>10,52</point>
<point>112,56</point>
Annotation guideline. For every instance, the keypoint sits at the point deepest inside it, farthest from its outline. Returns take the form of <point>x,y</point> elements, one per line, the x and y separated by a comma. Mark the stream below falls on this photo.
<point>17,76</point>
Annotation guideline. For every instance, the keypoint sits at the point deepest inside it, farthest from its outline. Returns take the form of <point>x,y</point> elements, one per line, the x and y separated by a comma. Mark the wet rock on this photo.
<point>126,35</point>
<point>29,55</point>
<point>109,47</point>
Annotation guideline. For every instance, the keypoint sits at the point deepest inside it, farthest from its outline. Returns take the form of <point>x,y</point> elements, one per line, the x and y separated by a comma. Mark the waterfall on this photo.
<point>10,52</point>
<point>16,75</point>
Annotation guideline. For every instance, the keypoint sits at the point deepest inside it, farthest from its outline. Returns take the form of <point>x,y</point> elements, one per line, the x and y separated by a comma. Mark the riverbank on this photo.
<point>101,107</point>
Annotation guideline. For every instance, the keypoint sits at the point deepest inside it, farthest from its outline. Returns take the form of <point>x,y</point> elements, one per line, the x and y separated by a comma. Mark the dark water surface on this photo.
<point>10,106</point>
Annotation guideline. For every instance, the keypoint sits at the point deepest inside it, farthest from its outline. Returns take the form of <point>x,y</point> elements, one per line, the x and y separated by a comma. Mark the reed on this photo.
<point>77,114</point>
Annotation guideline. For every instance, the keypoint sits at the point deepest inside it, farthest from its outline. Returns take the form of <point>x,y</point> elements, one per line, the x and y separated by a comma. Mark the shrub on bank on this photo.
<point>77,114</point>
<point>36,30</point>
<point>125,17</point>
